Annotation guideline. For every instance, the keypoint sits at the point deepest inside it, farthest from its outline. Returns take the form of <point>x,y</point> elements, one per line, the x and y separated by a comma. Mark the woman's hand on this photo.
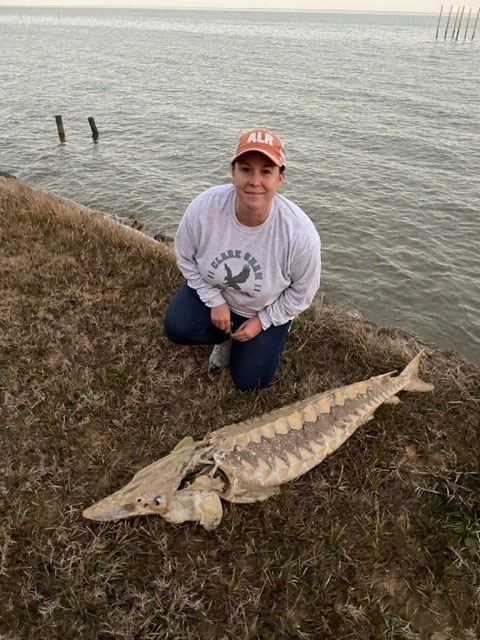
<point>248,329</point>
<point>220,317</point>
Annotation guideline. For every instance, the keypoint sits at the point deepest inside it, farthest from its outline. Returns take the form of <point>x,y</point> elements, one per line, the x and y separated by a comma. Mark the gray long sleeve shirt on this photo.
<point>271,270</point>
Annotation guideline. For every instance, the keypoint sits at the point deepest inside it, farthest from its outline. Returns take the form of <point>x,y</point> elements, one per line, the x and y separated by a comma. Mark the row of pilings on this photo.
<point>457,23</point>
<point>61,128</point>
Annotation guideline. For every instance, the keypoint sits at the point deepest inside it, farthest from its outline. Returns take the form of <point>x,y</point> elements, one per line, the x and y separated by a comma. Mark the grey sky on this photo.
<point>428,6</point>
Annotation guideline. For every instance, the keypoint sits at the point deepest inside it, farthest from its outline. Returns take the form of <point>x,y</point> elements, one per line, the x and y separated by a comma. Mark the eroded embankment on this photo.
<point>380,541</point>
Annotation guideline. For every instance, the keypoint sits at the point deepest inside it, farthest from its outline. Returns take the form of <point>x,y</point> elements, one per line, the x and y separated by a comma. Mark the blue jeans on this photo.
<point>252,363</point>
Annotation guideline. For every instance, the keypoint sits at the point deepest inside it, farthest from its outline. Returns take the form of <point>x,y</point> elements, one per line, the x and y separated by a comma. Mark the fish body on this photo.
<point>248,461</point>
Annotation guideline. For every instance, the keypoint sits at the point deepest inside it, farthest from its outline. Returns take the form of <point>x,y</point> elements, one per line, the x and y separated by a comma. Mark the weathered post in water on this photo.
<point>475,25</point>
<point>460,23</point>
<point>60,129</point>
<point>93,127</point>
<point>439,18</point>
<point>448,22</point>
<point>455,23</point>
<point>468,20</point>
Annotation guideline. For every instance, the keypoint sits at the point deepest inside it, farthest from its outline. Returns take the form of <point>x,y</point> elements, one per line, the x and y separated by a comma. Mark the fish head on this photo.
<point>151,490</point>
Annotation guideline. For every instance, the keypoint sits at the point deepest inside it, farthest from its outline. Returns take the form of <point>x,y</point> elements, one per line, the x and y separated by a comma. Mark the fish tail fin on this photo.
<point>410,373</point>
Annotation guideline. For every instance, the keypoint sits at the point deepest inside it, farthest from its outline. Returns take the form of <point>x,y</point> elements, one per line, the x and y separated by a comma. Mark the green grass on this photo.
<point>381,541</point>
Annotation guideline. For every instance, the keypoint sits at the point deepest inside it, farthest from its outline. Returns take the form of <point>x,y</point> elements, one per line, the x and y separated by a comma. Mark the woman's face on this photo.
<point>256,180</point>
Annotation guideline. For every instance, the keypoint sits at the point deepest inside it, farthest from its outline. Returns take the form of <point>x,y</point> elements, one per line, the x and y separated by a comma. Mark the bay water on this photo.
<point>380,120</point>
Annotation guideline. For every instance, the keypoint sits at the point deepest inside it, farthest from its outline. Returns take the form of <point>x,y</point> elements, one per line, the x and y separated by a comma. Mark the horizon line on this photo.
<point>192,8</point>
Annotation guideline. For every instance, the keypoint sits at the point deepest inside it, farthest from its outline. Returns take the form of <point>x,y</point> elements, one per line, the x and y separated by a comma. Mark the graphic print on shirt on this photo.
<point>240,268</point>
<point>232,281</point>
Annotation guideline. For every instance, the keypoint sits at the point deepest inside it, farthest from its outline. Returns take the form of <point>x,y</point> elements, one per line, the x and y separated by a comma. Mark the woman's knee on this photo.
<point>172,330</point>
<point>175,329</point>
<point>184,329</point>
<point>187,319</point>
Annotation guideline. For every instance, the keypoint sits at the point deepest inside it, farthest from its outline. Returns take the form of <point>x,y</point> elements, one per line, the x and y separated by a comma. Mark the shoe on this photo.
<point>220,356</point>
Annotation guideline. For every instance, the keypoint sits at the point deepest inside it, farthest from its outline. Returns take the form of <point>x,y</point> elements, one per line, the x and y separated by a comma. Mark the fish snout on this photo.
<point>103,512</point>
<point>116,508</point>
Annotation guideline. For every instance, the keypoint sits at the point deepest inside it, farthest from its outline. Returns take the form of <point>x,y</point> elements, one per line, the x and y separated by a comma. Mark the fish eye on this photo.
<point>139,499</point>
<point>158,501</point>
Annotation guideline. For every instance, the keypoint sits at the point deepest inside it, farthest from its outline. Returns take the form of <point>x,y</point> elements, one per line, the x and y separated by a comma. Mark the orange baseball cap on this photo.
<point>262,140</point>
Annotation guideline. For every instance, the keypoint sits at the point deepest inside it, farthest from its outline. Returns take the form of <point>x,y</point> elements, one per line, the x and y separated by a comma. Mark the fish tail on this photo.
<point>410,374</point>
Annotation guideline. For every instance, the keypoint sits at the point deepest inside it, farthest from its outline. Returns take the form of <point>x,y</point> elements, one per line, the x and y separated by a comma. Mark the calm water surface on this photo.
<point>380,121</point>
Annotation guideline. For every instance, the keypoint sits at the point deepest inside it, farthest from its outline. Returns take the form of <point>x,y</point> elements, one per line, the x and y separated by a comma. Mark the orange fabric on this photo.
<point>262,140</point>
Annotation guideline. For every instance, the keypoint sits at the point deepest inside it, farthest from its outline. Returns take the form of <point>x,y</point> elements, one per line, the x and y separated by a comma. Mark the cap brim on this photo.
<point>265,153</point>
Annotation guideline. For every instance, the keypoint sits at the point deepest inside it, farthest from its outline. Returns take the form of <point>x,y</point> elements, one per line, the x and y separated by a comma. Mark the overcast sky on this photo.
<point>428,6</point>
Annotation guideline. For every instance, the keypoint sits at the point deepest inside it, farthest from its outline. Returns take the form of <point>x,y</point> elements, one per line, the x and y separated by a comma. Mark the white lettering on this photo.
<point>257,136</point>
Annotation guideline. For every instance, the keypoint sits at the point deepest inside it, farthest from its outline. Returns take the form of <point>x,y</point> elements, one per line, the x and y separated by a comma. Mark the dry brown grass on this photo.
<point>379,542</point>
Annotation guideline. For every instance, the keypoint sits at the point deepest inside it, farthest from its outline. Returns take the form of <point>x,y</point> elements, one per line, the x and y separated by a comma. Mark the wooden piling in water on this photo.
<point>468,21</point>
<point>455,23</point>
<point>439,18</point>
<point>475,25</point>
<point>93,127</point>
<point>60,129</point>
<point>460,23</point>
<point>448,21</point>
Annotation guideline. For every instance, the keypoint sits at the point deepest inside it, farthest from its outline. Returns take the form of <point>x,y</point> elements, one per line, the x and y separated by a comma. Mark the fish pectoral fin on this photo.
<point>416,384</point>
<point>254,495</point>
<point>211,511</point>
<point>393,400</point>
<point>184,442</point>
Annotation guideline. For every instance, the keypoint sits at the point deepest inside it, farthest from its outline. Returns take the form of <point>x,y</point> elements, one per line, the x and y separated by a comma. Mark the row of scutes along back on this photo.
<point>286,465</point>
<point>296,419</point>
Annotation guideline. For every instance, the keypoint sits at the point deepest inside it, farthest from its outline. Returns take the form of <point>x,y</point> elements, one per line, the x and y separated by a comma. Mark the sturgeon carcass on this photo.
<point>246,462</point>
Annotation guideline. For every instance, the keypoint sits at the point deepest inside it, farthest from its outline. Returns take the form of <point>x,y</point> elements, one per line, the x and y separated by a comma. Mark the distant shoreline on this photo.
<point>224,9</point>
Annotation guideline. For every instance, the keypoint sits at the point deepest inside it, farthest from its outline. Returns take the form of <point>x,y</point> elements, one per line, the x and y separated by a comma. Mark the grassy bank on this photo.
<point>380,541</point>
